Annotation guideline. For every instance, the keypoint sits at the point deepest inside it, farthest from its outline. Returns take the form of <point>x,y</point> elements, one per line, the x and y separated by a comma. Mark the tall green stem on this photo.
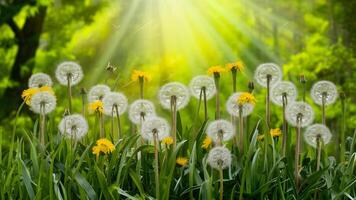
<point>141,80</point>
<point>323,108</point>
<point>217,100</point>
<point>318,152</point>
<point>241,130</point>
<point>69,78</point>
<point>118,122</point>
<point>205,104</point>
<point>221,183</point>
<point>268,103</point>
<point>101,125</point>
<point>42,124</point>
<point>285,125</point>
<point>233,73</point>
<point>155,141</point>
<point>174,119</point>
<point>343,127</point>
<point>297,151</point>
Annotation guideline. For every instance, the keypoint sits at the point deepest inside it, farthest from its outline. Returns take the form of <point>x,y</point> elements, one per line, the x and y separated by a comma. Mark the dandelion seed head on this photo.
<point>141,108</point>
<point>219,157</point>
<point>155,125</point>
<point>268,69</point>
<point>317,130</point>
<point>233,106</point>
<point>283,88</point>
<point>174,89</point>
<point>326,88</point>
<point>220,127</point>
<point>98,92</point>
<point>198,83</point>
<point>43,102</point>
<point>73,126</point>
<point>300,110</point>
<point>112,100</point>
<point>39,80</point>
<point>69,69</point>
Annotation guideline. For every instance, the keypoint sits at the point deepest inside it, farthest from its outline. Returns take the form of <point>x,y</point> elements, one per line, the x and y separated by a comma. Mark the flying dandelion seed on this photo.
<point>155,125</point>
<point>113,101</point>
<point>316,131</point>
<point>73,127</point>
<point>220,130</point>
<point>39,80</point>
<point>326,90</point>
<point>202,82</point>
<point>219,157</point>
<point>268,70</point>
<point>141,109</point>
<point>174,89</point>
<point>98,92</point>
<point>69,70</point>
<point>283,88</point>
<point>299,111</point>
<point>43,102</point>
<point>233,106</point>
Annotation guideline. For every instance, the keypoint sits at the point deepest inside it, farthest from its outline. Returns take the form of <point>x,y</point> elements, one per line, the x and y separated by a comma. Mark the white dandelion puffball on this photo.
<point>219,157</point>
<point>317,130</point>
<point>326,88</point>
<point>39,80</point>
<point>198,83</point>
<point>73,126</point>
<point>176,89</point>
<point>69,69</point>
<point>113,100</point>
<point>299,109</point>
<point>155,125</point>
<point>43,103</point>
<point>281,88</point>
<point>233,107</point>
<point>141,109</point>
<point>220,127</point>
<point>98,92</point>
<point>268,69</point>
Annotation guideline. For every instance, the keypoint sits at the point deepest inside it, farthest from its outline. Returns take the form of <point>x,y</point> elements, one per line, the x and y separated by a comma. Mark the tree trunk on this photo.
<point>27,41</point>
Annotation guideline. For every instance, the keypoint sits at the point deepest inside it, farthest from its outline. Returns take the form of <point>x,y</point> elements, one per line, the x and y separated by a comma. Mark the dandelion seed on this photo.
<point>43,102</point>
<point>137,75</point>
<point>182,161</point>
<point>207,142</point>
<point>266,70</point>
<point>202,82</point>
<point>220,130</point>
<point>73,126</point>
<point>96,106</point>
<point>155,125</point>
<point>98,92</point>
<point>112,101</point>
<point>167,141</point>
<point>315,132</point>
<point>39,80</point>
<point>140,110</point>
<point>174,89</point>
<point>326,90</point>
<point>219,157</point>
<point>281,89</point>
<point>243,100</point>
<point>299,112</point>
<point>104,146</point>
<point>69,70</point>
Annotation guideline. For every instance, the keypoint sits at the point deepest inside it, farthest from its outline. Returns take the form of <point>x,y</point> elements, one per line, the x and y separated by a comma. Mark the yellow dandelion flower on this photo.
<point>182,161</point>
<point>246,97</point>
<point>215,69</point>
<point>275,132</point>
<point>236,65</point>
<point>260,137</point>
<point>28,93</point>
<point>167,140</point>
<point>207,142</point>
<point>104,146</point>
<point>96,106</point>
<point>137,74</point>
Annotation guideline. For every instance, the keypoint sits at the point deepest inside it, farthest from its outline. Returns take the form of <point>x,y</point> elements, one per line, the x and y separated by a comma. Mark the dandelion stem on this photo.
<point>83,92</point>
<point>233,73</point>
<point>155,141</point>
<point>268,112</point>
<point>205,104</point>
<point>118,122</point>
<point>318,152</point>
<point>69,78</point>
<point>141,86</point>
<point>112,122</point>
<point>221,183</point>
<point>101,124</point>
<point>217,101</point>
<point>42,125</point>
<point>297,151</point>
<point>323,98</point>
<point>241,130</point>
<point>174,119</point>
<point>343,127</point>
<point>285,125</point>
